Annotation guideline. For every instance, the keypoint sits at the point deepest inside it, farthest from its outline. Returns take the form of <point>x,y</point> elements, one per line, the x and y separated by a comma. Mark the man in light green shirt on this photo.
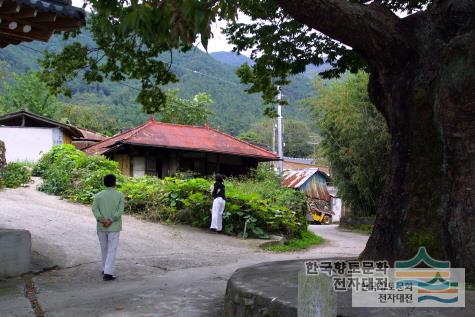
<point>107,207</point>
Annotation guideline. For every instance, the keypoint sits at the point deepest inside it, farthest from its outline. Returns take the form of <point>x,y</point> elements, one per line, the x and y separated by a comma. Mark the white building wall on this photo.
<point>27,144</point>
<point>336,208</point>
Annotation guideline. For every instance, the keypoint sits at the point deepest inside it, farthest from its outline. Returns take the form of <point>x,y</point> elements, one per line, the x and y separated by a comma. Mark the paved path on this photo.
<point>163,270</point>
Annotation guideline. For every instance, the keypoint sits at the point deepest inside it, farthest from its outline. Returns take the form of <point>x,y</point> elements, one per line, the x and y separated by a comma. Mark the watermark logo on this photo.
<point>418,282</point>
<point>436,285</point>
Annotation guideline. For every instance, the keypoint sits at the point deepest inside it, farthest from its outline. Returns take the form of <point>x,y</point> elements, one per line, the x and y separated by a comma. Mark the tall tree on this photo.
<point>183,111</point>
<point>26,91</point>
<point>422,70</point>
<point>355,141</point>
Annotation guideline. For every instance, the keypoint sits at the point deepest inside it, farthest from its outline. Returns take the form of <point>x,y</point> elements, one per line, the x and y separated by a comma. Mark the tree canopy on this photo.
<point>130,35</point>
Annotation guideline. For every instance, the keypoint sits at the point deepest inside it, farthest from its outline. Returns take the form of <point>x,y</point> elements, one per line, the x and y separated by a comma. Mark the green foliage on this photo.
<point>70,173</point>
<point>297,136</point>
<point>188,201</point>
<point>355,141</point>
<point>257,203</point>
<point>113,103</point>
<point>308,239</point>
<point>99,118</point>
<point>130,39</point>
<point>27,92</point>
<point>189,112</point>
<point>362,228</point>
<point>15,175</point>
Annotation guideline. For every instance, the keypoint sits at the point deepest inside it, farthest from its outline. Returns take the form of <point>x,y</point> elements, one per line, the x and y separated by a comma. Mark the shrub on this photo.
<point>256,206</point>
<point>14,175</point>
<point>70,173</point>
<point>189,201</point>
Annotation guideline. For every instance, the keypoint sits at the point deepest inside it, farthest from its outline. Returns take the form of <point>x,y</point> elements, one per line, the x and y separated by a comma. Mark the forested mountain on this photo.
<point>234,110</point>
<point>236,60</point>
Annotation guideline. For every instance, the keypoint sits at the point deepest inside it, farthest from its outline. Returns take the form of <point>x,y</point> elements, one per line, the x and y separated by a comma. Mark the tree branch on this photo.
<point>371,29</point>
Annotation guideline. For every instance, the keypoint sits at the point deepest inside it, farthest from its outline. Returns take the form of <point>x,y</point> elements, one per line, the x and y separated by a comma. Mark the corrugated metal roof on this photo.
<point>184,137</point>
<point>312,187</point>
<point>296,178</point>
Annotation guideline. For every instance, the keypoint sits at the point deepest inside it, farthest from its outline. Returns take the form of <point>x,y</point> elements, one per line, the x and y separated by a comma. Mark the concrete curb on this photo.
<point>270,289</point>
<point>245,298</point>
<point>273,240</point>
<point>15,252</point>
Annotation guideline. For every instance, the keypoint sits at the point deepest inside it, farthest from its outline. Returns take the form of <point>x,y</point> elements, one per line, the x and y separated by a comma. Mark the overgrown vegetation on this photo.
<point>355,141</point>
<point>362,228</point>
<point>15,175</point>
<point>307,240</point>
<point>255,207</point>
<point>70,173</point>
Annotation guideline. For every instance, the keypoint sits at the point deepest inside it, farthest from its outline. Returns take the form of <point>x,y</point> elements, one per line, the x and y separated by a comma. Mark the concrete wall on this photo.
<point>28,144</point>
<point>15,252</point>
<point>336,208</point>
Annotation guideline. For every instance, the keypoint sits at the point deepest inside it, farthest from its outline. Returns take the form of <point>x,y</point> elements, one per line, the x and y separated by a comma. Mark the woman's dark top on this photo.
<point>219,191</point>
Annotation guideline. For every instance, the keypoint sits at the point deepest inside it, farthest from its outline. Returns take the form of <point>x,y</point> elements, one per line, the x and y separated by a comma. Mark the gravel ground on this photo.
<point>164,270</point>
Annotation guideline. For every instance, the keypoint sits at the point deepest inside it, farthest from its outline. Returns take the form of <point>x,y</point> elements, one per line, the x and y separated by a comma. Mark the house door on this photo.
<point>138,165</point>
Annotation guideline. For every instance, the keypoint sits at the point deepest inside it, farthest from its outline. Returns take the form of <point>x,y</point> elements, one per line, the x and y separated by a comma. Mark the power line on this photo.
<point>177,66</point>
<point>206,75</point>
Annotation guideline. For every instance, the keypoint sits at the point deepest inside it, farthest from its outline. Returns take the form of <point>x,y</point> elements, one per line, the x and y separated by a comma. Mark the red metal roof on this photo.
<point>184,137</point>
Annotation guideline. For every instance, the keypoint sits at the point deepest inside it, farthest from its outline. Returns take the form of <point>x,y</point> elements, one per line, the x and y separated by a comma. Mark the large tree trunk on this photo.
<point>423,81</point>
<point>429,102</point>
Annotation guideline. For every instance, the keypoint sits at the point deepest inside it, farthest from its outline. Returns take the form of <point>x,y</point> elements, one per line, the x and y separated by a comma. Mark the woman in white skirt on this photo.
<point>219,201</point>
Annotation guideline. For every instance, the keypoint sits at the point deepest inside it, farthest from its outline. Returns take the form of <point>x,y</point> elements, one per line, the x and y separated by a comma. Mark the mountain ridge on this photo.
<point>234,109</point>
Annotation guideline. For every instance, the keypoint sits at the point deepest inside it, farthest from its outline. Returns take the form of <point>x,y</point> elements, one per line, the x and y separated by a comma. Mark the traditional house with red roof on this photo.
<point>161,149</point>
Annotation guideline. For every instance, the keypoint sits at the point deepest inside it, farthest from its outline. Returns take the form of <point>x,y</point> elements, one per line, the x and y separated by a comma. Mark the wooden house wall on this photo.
<point>136,161</point>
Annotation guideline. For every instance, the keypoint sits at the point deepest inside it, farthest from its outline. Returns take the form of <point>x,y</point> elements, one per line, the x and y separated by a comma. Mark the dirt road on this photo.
<point>163,270</point>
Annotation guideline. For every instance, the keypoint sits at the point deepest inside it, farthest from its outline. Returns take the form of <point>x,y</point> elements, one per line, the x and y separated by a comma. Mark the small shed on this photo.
<point>162,149</point>
<point>311,181</point>
<point>27,135</point>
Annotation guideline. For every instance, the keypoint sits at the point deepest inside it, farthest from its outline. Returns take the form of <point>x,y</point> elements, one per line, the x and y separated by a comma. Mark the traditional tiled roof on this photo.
<point>29,119</point>
<point>29,20</point>
<point>91,135</point>
<point>182,137</point>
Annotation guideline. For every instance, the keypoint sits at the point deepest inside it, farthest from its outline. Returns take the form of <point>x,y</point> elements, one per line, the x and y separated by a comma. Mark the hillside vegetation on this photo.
<point>233,109</point>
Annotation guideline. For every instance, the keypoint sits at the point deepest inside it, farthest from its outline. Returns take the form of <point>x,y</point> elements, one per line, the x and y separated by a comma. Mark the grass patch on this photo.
<point>308,239</point>
<point>363,229</point>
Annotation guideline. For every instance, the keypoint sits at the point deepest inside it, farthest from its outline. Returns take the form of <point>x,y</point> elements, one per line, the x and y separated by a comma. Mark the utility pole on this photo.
<point>274,134</point>
<point>280,146</point>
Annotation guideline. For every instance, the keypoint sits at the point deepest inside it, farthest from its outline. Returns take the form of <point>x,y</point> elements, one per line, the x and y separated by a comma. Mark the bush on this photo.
<point>255,206</point>
<point>15,175</point>
<point>70,173</point>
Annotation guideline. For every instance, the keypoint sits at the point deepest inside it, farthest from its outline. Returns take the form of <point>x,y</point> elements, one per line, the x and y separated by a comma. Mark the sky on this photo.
<point>216,44</point>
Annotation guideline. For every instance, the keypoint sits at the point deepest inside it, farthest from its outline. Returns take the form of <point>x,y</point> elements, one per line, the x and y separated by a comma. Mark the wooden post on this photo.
<point>3,160</point>
<point>316,297</point>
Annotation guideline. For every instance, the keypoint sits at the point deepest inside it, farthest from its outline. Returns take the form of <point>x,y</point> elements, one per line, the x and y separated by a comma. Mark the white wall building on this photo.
<point>28,136</point>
